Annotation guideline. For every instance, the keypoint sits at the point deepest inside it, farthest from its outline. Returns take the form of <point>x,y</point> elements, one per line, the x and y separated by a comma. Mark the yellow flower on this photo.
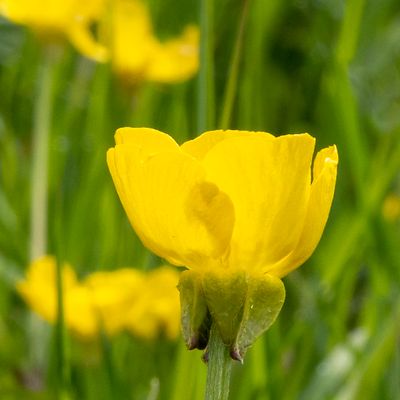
<point>239,209</point>
<point>228,199</point>
<point>146,304</point>
<point>157,308</point>
<point>138,55</point>
<point>113,293</point>
<point>40,293</point>
<point>80,315</point>
<point>55,19</point>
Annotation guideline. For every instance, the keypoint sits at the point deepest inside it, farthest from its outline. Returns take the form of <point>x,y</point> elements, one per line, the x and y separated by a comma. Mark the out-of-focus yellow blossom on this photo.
<point>157,308</point>
<point>146,304</point>
<point>113,294</point>
<point>80,313</point>
<point>39,287</point>
<point>239,209</point>
<point>39,291</point>
<point>391,207</point>
<point>138,55</point>
<point>53,20</point>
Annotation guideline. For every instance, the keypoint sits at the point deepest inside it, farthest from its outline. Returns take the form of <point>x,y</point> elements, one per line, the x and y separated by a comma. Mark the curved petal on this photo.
<point>175,60</point>
<point>81,37</point>
<point>146,142</point>
<point>174,211</point>
<point>321,196</point>
<point>201,145</point>
<point>268,180</point>
<point>131,29</point>
<point>150,140</point>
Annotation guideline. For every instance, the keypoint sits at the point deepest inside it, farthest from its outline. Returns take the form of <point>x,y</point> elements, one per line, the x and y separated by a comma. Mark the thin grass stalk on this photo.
<point>346,101</point>
<point>189,379</point>
<point>259,374</point>
<point>378,186</point>
<point>61,337</point>
<point>205,89</point>
<point>40,150</point>
<point>234,66</point>
<point>63,370</point>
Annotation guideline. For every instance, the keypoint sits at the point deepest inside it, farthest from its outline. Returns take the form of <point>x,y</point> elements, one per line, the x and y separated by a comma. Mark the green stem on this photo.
<point>219,367</point>
<point>205,90</point>
<point>63,371</point>
<point>350,31</point>
<point>40,147</point>
<point>231,86</point>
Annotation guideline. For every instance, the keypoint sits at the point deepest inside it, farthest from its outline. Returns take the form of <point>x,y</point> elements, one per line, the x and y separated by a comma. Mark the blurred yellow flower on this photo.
<point>157,309</point>
<point>138,55</point>
<point>228,199</point>
<point>38,289</point>
<point>146,304</point>
<point>113,293</point>
<point>391,207</point>
<point>55,19</point>
<point>239,209</point>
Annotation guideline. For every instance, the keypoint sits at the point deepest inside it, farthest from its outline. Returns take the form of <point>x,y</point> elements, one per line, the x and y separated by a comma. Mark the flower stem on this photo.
<point>219,367</point>
<point>41,128</point>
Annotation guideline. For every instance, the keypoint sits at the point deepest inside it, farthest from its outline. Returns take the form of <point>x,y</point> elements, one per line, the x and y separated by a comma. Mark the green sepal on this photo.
<point>264,300</point>
<point>195,318</point>
<point>225,293</point>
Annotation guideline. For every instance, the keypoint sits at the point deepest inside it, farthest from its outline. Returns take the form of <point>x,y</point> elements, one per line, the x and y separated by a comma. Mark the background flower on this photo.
<point>138,55</point>
<point>57,19</point>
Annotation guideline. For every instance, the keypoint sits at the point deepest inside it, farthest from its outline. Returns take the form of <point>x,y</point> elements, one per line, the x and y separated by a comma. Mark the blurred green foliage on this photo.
<point>328,67</point>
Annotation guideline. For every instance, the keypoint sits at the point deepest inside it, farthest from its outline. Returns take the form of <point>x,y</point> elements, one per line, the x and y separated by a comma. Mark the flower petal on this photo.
<point>150,140</point>
<point>200,146</point>
<point>175,212</point>
<point>177,59</point>
<point>268,180</point>
<point>80,36</point>
<point>321,196</point>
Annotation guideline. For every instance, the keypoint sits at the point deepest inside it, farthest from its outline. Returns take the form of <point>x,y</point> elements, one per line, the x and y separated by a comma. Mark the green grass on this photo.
<point>331,68</point>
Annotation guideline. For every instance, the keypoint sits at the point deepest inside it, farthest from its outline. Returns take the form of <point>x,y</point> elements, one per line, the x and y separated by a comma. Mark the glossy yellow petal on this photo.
<point>150,140</point>
<point>321,196</point>
<point>175,212</point>
<point>146,142</point>
<point>268,180</point>
<point>175,60</point>
<point>201,145</point>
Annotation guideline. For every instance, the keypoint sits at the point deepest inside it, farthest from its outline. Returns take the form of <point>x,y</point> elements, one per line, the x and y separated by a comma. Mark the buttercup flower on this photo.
<point>144,303</point>
<point>113,293</point>
<point>138,55</point>
<point>55,19</point>
<point>239,209</point>
<point>156,310</point>
<point>39,291</point>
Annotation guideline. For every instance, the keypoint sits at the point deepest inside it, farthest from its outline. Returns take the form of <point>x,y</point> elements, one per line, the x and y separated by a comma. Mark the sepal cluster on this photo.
<point>242,304</point>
